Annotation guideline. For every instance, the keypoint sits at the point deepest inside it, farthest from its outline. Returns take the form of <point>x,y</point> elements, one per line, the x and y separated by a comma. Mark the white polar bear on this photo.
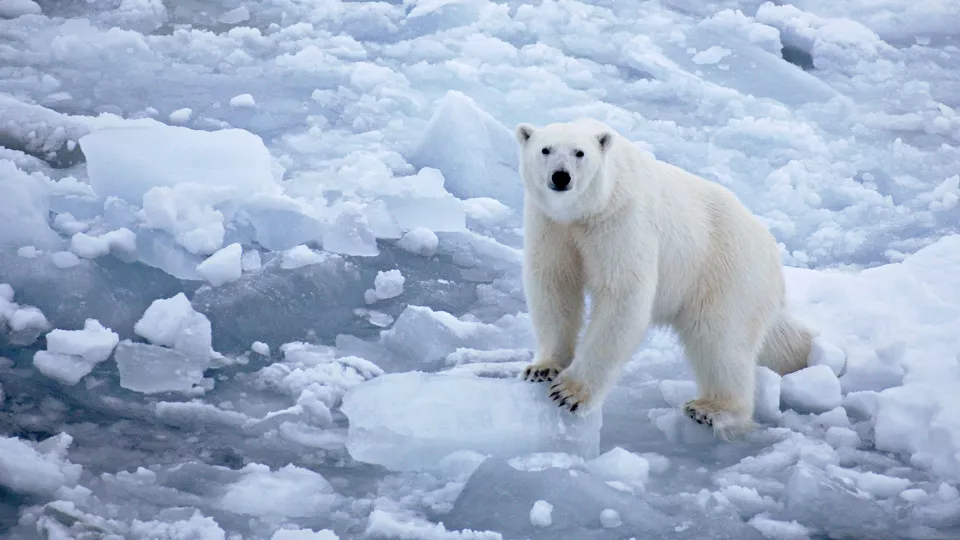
<point>653,245</point>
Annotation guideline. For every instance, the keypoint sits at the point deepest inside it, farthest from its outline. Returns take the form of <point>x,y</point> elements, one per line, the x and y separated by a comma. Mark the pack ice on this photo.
<point>264,269</point>
<point>436,415</point>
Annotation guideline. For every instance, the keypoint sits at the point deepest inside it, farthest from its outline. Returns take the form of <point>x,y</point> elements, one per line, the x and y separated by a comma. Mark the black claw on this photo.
<point>555,394</point>
<point>563,402</point>
<point>574,408</point>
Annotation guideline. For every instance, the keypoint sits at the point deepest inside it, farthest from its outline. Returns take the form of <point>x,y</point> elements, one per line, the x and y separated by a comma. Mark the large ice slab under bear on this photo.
<point>410,421</point>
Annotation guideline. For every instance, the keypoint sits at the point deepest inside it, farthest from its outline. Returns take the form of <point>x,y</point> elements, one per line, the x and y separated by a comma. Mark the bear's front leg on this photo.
<point>556,309</point>
<point>618,324</point>
<point>553,284</point>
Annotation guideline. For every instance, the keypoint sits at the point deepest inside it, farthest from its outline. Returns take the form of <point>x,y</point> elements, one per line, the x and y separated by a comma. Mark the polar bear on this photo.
<point>652,244</point>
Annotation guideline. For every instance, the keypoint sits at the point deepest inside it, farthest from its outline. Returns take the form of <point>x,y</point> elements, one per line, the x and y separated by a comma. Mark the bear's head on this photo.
<point>562,167</point>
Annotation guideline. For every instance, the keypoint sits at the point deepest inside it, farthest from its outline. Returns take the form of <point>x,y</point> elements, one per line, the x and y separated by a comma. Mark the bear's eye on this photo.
<point>545,151</point>
<point>579,153</point>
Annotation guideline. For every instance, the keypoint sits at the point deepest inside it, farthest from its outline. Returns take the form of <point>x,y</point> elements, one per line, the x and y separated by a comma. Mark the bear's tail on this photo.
<point>786,345</point>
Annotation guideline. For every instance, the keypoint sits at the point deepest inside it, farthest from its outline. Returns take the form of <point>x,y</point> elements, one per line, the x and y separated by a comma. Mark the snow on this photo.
<point>289,263</point>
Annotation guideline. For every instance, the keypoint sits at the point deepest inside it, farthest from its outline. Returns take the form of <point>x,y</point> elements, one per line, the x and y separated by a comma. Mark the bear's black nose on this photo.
<point>560,180</point>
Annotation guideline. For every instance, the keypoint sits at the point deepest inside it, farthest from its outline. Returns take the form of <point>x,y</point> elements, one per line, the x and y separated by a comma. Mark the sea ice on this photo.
<point>72,354</point>
<point>172,322</point>
<point>223,266</point>
<point>150,369</point>
<point>350,233</point>
<point>304,534</point>
<point>541,514</point>
<point>386,285</point>
<point>610,518</point>
<point>811,390</point>
<point>36,468</point>
<point>121,242</point>
<point>127,162</point>
<point>437,414</point>
<point>620,465</point>
<point>296,492</point>
<point>242,100</point>
<point>20,324</point>
<point>476,153</point>
<point>11,9</point>
<point>419,240</point>
<point>24,204</point>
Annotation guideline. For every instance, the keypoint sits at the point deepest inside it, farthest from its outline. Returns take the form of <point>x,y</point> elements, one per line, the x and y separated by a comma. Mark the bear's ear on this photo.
<point>524,132</point>
<point>605,139</point>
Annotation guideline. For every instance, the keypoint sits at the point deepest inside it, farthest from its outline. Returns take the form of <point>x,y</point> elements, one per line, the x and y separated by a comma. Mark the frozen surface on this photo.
<point>444,414</point>
<point>297,226</point>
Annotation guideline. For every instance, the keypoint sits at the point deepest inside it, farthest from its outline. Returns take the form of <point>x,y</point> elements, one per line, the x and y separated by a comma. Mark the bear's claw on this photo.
<point>569,394</point>
<point>725,418</point>
<point>538,373</point>
<point>698,415</point>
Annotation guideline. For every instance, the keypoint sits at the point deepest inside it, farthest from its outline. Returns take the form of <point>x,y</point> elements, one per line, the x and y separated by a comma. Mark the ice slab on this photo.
<point>150,369</point>
<point>351,233</point>
<point>23,204</point>
<point>126,162</point>
<point>476,153</point>
<point>282,228</point>
<point>409,421</point>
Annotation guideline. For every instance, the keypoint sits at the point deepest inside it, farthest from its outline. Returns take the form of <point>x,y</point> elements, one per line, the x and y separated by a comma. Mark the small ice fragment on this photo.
<point>242,101</point>
<point>180,116</point>
<point>541,514</point>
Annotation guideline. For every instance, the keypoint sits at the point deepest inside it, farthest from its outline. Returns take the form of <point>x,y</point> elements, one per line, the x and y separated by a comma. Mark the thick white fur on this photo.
<point>653,245</point>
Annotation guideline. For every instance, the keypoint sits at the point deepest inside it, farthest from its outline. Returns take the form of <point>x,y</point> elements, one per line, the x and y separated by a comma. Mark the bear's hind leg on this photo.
<point>725,372</point>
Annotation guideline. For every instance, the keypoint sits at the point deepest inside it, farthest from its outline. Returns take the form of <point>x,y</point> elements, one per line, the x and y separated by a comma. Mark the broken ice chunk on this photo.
<point>434,415</point>
<point>172,322</point>
<point>73,354</point>
<point>150,369</point>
